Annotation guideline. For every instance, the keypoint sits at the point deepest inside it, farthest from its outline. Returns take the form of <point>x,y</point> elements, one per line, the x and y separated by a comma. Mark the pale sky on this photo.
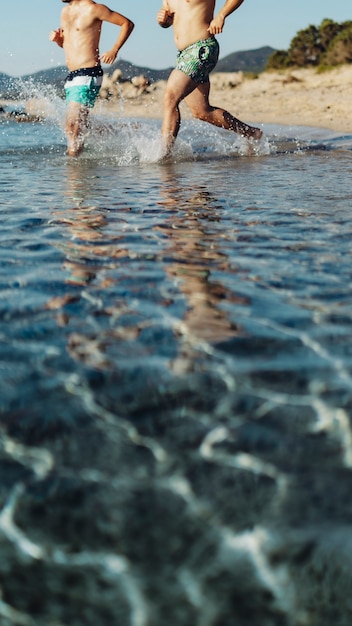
<point>25,26</point>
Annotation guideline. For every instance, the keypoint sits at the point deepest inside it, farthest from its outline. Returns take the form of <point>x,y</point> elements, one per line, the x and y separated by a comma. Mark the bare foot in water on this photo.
<point>257,133</point>
<point>251,132</point>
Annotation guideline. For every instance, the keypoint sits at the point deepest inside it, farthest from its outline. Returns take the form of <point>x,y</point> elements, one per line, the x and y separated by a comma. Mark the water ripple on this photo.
<point>175,389</point>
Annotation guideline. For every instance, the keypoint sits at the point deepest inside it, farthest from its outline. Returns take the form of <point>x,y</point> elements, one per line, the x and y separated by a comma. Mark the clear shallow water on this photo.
<point>175,387</point>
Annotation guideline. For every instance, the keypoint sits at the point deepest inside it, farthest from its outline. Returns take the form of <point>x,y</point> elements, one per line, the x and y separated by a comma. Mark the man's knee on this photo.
<point>200,113</point>
<point>171,101</point>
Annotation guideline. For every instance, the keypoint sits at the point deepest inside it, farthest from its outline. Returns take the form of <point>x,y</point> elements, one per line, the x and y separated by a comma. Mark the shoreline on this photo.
<point>295,97</point>
<point>300,97</point>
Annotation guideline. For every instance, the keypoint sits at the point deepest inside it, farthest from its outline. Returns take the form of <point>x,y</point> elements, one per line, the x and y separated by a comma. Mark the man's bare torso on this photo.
<point>81,32</point>
<point>191,20</point>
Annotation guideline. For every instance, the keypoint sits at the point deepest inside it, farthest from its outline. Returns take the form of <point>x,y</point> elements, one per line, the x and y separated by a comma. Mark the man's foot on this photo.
<point>75,142</point>
<point>167,143</point>
<point>74,150</point>
<point>252,132</point>
<point>73,153</point>
<point>257,133</point>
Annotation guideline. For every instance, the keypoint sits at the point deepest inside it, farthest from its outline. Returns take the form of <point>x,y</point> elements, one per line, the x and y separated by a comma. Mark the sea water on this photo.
<point>176,377</point>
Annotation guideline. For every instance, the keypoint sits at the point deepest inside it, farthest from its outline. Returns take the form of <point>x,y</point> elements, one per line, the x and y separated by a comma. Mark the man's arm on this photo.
<point>217,24</point>
<point>105,14</point>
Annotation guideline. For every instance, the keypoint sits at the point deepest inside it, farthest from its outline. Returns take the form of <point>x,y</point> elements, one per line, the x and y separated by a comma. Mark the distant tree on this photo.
<point>339,49</point>
<point>305,48</point>
<point>328,44</point>
<point>277,60</point>
<point>326,32</point>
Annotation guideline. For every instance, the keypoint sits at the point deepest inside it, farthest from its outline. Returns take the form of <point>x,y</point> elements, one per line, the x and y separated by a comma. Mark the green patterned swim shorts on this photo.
<point>199,59</point>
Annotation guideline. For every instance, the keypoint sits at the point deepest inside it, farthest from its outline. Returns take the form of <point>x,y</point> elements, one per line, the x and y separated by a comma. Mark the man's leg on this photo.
<point>76,127</point>
<point>198,102</point>
<point>178,86</point>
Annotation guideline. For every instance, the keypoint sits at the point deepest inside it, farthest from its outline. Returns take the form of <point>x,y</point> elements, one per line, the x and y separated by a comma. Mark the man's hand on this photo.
<point>57,36</point>
<point>108,57</point>
<point>216,25</point>
<point>164,18</point>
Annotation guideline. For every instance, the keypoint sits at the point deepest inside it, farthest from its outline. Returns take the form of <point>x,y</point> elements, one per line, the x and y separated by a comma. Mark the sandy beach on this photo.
<point>297,97</point>
<point>300,97</point>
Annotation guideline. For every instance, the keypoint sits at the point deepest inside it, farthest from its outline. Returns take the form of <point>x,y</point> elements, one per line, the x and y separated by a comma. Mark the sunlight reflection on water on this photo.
<point>176,376</point>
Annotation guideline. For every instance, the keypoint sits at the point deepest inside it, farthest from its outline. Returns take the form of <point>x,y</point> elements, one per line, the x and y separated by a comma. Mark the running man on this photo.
<point>194,29</point>
<point>79,36</point>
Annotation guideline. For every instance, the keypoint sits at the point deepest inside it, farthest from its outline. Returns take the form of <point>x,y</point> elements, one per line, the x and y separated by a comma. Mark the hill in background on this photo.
<point>247,61</point>
<point>5,84</point>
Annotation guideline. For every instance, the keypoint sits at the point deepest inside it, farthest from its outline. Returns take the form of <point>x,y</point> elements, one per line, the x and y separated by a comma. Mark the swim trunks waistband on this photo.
<point>82,86</point>
<point>85,71</point>
<point>201,42</point>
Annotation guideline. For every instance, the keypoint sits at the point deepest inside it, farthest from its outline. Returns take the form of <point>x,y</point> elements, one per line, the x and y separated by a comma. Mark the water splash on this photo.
<point>133,141</point>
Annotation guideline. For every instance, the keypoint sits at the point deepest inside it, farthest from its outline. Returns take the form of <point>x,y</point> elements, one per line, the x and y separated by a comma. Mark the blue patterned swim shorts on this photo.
<point>199,59</point>
<point>83,85</point>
